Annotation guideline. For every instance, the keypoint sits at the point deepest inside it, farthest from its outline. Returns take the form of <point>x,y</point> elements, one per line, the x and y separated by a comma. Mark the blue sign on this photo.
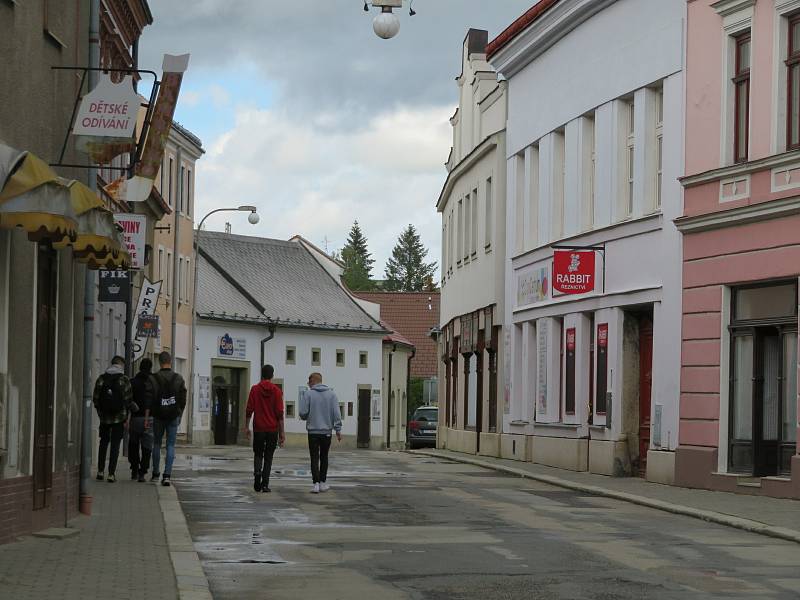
<point>226,345</point>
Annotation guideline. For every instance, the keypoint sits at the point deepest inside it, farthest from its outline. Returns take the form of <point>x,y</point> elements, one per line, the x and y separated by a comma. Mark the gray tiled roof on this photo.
<point>281,276</point>
<point>215,295</point>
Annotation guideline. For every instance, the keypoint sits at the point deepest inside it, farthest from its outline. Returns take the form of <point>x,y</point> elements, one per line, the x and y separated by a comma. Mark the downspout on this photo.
<point>85,502</point>
<point>408,378</point>
<point>271,328</point>
<point>389,400</point>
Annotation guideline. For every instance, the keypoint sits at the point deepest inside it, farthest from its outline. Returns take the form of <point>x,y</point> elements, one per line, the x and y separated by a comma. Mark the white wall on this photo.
<point>345,380</point>
<point>617,53</point>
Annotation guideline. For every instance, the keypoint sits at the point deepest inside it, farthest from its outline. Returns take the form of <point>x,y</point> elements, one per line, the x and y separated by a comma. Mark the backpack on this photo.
<point>167,408</point>
<point>112,400</point>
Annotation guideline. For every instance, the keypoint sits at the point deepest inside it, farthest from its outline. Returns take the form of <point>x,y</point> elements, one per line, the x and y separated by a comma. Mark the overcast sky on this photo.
<point>306,113</point>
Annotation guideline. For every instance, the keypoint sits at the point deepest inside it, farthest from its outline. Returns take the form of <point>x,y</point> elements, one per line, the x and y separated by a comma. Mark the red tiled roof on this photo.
<point>393,337</point>
<point>408,314</point>
<point>518,26</point>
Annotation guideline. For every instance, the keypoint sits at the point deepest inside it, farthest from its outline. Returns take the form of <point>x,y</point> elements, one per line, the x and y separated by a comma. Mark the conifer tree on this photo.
<point>357,261</point>
<point>406,270</point>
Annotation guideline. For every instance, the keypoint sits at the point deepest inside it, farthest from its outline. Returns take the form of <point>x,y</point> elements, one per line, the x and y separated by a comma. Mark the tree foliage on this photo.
<point>357,261</point>
<point>406,270</point>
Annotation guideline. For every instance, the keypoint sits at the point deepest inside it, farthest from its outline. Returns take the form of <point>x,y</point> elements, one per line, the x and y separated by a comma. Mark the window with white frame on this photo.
<point>180,279</point>
<point>444,248</point>
<point>467,227</point>
<point>189,203</point>
<point>169,269</point>
<point>160,274</point>
<point>659,144</point>
<point>182,192</point>
<point>488,205</point>
<point>519,196</point>
<point>171,182</point>
<point>533,190</point>
<point>187,279</point>
<point>460,247</point>
<point>741,102</point>
<point>474,237</point>
<point>630,115</point>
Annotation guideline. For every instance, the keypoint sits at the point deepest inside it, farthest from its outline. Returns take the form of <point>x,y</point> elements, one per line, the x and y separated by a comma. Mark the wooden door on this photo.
<point>364,418</point>
<point>645,387</point>
<point>47,282</point>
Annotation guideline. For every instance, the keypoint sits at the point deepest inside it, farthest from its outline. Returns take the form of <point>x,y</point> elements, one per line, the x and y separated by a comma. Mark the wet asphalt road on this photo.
<point>400,526</point>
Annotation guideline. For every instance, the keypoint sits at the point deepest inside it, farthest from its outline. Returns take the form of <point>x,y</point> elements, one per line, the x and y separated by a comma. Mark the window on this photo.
<point>341,410</point>
<point>600,404</point>
<point>316,357</point>
<point>467,227</point>
<point>444,248</point>
<point>188,192</point>
<point>659,144</point>
<point>187,281</point>
<point>340,358</point>
<point>588,164</point>
<point>533,191</point>
<point>349,409</point>
<point>793,75</point>
<point>160,274</point>
<point>629,157</point>
<point>474,246</point>
<point>741,109</point>
<point>569,373</point>
<point>180,279</point>
<point>488,222</point>
<point>290,410</point>
<point>460,247</point>
<point>290,355</point>
<point>362,359</point>
<point>169,270</point>
<point>170,189</point>
<point>182,192</point>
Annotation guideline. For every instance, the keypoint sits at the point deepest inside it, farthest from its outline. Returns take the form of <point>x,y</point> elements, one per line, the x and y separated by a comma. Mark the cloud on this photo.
<point>316,183</point>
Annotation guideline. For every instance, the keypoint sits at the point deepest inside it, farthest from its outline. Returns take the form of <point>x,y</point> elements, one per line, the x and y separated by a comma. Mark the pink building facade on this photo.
<point>741,248</point>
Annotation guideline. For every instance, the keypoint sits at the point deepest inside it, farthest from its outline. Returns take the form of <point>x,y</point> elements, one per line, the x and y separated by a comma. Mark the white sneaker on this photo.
<point>315,490</point>
<point>324,487</point>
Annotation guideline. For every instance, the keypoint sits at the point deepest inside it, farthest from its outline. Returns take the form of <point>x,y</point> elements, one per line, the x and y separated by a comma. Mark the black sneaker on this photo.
<point>165,481</point>
<point>100,476</point>
<point>155,476</point>
<point>257,483</point>
<point>140,479</point>
<point>266,490</point>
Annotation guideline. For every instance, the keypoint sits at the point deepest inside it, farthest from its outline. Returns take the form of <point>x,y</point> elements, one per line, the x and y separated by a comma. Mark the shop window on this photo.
<point>316,357</point>
<point>569,372</point>
<point>339,358</point>
<point>291,355</point>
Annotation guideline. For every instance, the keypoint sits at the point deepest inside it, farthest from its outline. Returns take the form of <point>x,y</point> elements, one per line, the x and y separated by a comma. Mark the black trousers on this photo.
<point>110,433</point>
<point>319,445</point>
<point>140,439</point>
<point>264,444</point>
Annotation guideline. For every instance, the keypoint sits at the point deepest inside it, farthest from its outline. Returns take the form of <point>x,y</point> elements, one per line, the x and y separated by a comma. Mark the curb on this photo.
<point>782,533</point>
<point>189,575</point>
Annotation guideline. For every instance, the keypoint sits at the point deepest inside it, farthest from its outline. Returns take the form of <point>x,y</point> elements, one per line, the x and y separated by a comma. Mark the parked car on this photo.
<point>422,427</point>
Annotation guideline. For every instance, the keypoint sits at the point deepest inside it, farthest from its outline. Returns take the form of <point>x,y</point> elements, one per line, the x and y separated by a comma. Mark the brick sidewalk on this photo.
<point>121,552</point>
<point>772,512</point>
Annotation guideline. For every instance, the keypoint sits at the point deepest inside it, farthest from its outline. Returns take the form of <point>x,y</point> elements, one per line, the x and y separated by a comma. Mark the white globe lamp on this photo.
<point>253,218</point>
<point>386,25</point>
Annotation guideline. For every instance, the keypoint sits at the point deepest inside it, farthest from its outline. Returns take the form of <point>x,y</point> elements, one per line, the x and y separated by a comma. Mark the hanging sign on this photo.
<point>134,228</point>
<point>115,286</point>
<point>147,326</point>
<point>148,301</point>
<point>573,271</point>
<point>532,286</point>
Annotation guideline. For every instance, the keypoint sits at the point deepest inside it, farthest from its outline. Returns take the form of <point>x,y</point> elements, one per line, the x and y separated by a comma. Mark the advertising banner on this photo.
<point>532,286</point>
<point>228,347</point>
<point>573,271</point>
<point>134,228</point>
<point>148,301</point>
<point>115,286</point>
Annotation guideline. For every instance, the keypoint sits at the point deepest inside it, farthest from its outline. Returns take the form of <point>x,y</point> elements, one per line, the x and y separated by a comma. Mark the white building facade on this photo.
<point>594,151</point>
<point>472,205</point>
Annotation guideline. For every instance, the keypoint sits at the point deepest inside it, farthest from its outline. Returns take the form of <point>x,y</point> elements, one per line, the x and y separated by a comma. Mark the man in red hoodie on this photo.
<point>265,405</point>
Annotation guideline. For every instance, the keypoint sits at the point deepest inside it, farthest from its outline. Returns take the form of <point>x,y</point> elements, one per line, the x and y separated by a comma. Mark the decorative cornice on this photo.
<point>725,8</point>
<point>761,164</point>
<point>751,213</point>
<point>540,34</point>
<point>481,150</point>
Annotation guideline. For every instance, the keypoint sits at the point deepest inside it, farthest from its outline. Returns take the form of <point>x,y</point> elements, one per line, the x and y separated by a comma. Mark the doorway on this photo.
<point>645,388</point>
<point>226,390</point>
<point>763,380</point>
<point>47,282</point>
<point>364,418</point>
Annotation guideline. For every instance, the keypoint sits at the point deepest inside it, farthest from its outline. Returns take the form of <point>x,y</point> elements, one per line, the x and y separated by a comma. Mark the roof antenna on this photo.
<point>227,227</point>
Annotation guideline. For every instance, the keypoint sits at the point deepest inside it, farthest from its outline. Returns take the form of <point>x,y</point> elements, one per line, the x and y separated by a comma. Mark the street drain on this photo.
<point>253,561</point>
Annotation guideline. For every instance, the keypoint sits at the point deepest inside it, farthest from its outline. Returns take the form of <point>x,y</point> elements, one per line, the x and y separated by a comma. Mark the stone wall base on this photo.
<point>661,467</point>
<point>607,457</point>
<point>565,453</point>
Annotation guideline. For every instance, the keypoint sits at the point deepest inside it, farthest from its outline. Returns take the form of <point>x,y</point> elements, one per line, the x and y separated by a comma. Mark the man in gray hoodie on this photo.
<point>319,408</point>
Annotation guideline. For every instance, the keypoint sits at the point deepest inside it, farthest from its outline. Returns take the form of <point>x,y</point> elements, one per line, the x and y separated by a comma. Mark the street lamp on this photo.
<point>253,219</point>
<point>387,24</point>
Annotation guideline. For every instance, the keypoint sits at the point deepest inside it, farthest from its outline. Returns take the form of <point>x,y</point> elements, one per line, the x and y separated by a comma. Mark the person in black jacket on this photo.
<point>140,443</point>
<point>169,405</point>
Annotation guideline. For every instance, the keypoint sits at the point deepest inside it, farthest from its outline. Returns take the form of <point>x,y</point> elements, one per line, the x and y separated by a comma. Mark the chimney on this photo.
<point>476,41</point>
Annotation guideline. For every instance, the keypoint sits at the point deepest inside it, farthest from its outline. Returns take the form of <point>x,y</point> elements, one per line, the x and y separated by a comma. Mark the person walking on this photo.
<point>319,408</point>
<point>140,430</point>
<point>169,406</point>
<point>112,399</point>
<point>265,405</point>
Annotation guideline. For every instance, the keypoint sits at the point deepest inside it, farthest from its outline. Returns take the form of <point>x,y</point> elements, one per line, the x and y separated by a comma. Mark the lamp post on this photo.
<point>253,219</point>
<point>387,25</point>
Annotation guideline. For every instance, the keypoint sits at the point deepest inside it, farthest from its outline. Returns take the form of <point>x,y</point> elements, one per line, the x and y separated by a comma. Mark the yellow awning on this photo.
<point>97,232</point>
<point>31,197</point>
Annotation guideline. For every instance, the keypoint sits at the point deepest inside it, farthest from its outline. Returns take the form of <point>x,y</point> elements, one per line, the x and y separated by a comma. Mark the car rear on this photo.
<point>422,427</point>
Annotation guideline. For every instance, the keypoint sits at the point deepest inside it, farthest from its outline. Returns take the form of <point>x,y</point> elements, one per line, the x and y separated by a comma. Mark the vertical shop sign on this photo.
<point>569,368</point>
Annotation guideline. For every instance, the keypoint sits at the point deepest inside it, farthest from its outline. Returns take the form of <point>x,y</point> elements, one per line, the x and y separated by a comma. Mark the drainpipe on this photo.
<point>408,378</point>
<point>271,328</point>
<point>85,502</point>
<point>389,401</point>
